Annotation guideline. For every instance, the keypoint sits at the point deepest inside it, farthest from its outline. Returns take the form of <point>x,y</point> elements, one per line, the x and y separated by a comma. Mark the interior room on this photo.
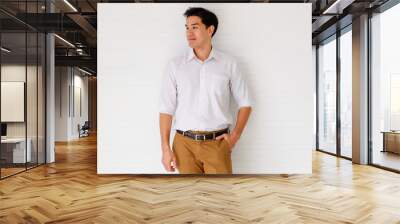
<point>82,140</point>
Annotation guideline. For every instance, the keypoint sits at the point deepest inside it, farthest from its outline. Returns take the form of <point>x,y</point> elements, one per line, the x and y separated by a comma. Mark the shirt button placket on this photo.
<point>201,91</point>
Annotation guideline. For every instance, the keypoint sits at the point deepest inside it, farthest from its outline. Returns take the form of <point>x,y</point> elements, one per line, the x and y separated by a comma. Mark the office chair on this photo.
<point>84,130</point>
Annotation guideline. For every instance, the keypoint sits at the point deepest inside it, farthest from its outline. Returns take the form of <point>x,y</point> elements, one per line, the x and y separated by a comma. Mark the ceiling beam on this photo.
<point>337,6</point>
<point>84,61</point>
<point>83,23</point>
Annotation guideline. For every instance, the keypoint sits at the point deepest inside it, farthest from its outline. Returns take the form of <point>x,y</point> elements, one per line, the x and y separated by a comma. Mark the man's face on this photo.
<point>196,32</point>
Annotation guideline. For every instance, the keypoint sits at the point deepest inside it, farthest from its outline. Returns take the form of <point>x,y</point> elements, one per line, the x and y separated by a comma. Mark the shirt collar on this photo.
<point>191,55</point>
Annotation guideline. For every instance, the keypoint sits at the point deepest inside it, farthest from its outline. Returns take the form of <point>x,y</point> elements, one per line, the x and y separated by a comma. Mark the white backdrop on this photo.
<point>272,43</point>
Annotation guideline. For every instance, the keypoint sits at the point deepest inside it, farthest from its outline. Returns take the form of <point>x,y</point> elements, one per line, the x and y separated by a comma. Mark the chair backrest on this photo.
<point>86,124</point>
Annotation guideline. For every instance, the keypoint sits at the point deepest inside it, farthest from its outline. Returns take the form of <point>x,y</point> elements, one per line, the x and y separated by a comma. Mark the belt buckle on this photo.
<point>204,137</point>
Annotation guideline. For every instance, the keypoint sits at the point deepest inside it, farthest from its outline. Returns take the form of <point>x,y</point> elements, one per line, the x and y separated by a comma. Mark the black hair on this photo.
<point>206,16</point>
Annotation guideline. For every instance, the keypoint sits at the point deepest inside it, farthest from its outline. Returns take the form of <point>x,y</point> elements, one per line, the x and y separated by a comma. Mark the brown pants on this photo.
<point>209,157</point>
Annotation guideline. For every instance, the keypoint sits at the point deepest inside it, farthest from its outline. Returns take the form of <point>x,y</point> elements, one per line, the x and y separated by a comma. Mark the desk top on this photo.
<point>390,132</point>
<point>13,140</point>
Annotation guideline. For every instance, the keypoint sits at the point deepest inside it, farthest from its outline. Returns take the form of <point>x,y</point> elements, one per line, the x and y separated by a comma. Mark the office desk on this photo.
<point>391,141</point>
<point>13,150</point>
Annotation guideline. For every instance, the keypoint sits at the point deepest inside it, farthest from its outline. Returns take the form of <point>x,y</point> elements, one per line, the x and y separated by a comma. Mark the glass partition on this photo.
<point>14,153</point>
<point>346,93</point>
<point>22,77</point>
<point>32,95</point>
<point>385,89</point>
<point>327,96</point>
<point>41,91</point>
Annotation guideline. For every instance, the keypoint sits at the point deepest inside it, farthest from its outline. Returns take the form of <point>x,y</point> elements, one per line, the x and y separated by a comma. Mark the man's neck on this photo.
<point>202,53</point>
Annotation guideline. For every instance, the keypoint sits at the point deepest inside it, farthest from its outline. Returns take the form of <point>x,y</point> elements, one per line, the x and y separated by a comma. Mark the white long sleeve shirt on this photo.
<point>198,93</point>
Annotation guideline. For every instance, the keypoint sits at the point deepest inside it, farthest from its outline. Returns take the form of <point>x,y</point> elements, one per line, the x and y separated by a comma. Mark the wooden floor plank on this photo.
<point>70,191</point>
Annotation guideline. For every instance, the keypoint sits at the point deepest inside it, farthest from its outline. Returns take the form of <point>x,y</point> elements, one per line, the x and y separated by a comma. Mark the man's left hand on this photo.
<point>230,138</point>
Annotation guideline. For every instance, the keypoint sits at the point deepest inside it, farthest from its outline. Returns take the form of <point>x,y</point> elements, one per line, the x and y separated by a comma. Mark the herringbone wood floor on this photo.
<point>70,191</point>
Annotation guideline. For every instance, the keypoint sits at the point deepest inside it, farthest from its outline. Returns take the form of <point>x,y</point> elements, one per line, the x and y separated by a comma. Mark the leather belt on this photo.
<point>203,137</point>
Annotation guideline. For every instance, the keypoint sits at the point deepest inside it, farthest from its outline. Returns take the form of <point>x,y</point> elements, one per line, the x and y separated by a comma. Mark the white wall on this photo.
<point>80,89</point>
<point>61,103</point>
<point>272,43</point>
<point>67,117</point>
<point>314,73</point>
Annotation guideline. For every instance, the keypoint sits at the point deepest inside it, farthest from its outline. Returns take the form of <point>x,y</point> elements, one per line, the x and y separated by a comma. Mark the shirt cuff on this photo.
<point>167,112</point>
<point>245,104</point>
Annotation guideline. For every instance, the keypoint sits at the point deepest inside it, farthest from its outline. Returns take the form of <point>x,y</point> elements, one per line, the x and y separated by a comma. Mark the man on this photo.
<point>196,89</point>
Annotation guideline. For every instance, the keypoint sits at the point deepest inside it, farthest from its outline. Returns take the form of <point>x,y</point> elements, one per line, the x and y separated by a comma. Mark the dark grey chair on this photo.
<point>84,130</point>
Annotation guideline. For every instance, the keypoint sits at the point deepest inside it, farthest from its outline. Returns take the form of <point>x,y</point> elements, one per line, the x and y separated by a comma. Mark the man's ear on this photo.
<point>210,30</point>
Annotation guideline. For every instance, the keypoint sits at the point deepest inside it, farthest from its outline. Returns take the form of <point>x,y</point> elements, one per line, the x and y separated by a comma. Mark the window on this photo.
<point>327,96</point>
<point>385,89</point>
<point>346,93</point>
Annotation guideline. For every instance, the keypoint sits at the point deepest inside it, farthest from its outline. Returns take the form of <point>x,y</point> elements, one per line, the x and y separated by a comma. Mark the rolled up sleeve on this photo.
<point>239,87</point>
<point>168,94</point>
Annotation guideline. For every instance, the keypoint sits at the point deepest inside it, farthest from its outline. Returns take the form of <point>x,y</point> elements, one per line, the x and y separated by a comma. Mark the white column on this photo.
<point>360,90</point>
<point>50,110</point>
